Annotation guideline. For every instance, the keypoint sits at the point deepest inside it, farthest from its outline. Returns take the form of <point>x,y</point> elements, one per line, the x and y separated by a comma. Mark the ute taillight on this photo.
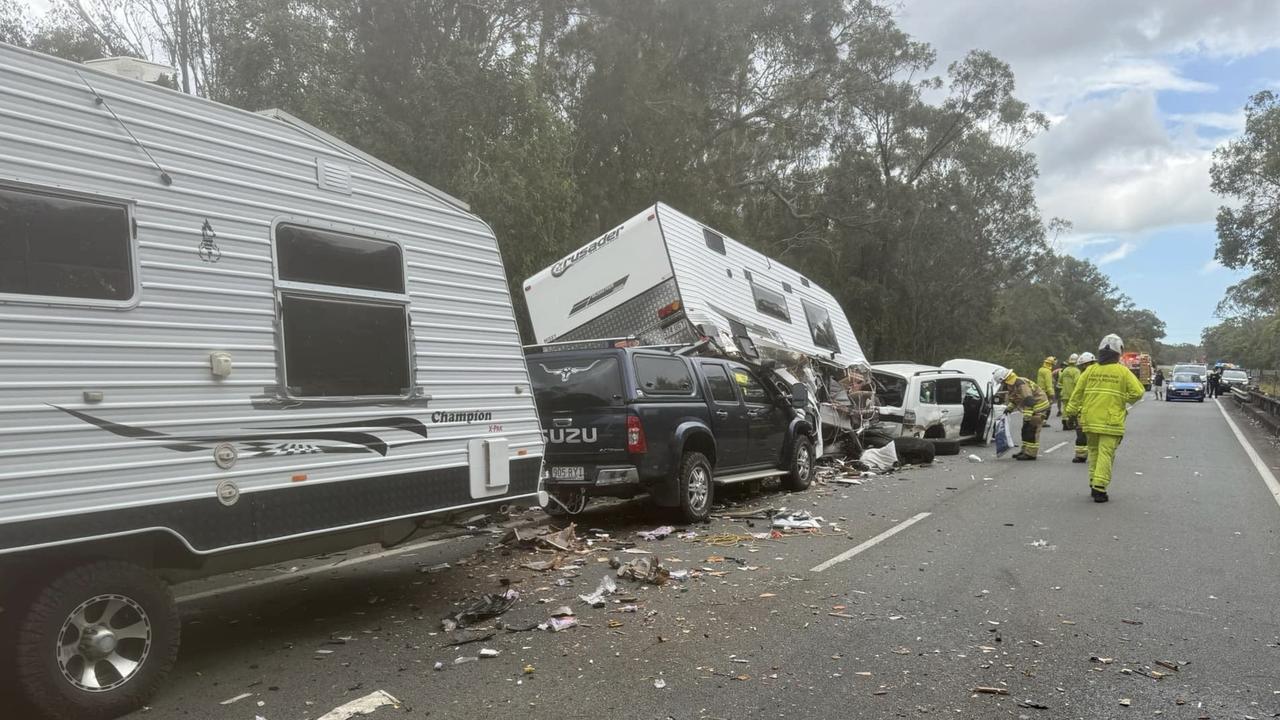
<point>635,435</point>
<point>667,311</point>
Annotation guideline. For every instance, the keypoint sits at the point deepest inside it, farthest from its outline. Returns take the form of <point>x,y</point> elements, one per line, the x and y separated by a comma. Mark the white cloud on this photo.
<point>1124,250</point>
<point>1229,122</point>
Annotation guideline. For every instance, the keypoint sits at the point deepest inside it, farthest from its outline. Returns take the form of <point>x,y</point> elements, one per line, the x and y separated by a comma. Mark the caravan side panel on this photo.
<point>112,419</point>
<point>716,286</point>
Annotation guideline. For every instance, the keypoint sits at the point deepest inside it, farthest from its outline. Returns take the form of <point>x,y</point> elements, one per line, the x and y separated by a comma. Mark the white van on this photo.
<point>944,405</point>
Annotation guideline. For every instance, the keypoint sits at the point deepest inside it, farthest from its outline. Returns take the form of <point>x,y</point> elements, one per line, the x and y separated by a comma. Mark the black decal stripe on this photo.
<point>274,514</point>
<point>368,441</point>
<point>407,424</point>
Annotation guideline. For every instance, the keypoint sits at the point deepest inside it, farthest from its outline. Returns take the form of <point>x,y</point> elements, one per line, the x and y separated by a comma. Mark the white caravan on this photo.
<point>666,279</point>
<point>226,338</point>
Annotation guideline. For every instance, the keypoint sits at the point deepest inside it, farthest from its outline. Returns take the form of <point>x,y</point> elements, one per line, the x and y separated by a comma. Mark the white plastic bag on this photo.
<point>1004,438</point>
<point>880,460</point>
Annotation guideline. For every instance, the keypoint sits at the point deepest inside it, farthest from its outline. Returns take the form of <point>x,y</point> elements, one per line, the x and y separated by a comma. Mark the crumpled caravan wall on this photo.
<point>712,284</point>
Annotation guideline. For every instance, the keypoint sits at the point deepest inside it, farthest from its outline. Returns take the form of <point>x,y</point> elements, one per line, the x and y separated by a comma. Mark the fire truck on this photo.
<point>1140,364</point>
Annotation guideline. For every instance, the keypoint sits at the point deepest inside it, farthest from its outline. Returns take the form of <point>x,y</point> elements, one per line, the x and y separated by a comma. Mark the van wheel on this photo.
<point>801,473</point>
<point>696,487</point>
<point>96,642</point>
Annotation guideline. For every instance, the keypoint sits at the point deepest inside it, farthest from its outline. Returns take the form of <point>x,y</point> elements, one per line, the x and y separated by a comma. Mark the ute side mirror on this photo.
<point>799,396</point>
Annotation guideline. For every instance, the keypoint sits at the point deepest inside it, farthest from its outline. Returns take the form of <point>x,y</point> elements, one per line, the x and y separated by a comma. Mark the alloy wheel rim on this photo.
<point>802,465</point>
<point>699,486</point>
<point>103,643</point>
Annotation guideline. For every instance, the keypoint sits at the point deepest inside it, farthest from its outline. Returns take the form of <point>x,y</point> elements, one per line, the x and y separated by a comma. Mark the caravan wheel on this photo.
<point>96,642</point>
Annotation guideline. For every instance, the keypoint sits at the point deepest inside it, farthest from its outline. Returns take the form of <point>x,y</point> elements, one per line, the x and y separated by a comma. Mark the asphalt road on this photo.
<point>1013,580</point>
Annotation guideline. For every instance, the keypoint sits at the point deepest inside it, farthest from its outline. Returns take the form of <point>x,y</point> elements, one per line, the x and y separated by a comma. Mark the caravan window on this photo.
<point>64,247</point>
<point>770,302</point>
<point>714,241</point>
<point>344,315</point>
<point>312,255</point>
<point>820,327</point>
<point>344,348</point>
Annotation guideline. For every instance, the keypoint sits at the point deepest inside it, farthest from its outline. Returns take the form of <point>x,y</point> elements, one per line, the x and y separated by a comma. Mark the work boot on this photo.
<point>1079,459</point>
<point>1023,456</point>
<point>1099,496</point>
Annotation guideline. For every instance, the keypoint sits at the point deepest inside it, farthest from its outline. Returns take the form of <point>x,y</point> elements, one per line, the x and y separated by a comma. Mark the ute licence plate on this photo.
<point>568,473</point>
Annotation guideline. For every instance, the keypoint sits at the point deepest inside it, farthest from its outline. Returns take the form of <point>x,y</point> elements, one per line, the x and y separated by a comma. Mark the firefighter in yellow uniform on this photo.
<point>1083,361</point>
<point>1034,403</point>
<point>1067,380</point>
<point>1101,400</point>
<point>1044,378</point>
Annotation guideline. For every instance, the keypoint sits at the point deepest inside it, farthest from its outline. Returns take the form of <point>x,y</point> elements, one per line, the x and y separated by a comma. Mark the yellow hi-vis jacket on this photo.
<point>1102,397</point>
<point>1026,396</point>
<point>1067,379</point>
<point>1044,378</point>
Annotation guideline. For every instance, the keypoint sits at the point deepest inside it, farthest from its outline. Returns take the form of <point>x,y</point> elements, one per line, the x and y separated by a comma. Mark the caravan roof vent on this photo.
<point>132,68</point>
<point>334,176</point>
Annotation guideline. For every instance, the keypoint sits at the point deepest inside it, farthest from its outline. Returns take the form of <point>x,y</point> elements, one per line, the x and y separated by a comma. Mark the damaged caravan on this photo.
<point>665,279</point>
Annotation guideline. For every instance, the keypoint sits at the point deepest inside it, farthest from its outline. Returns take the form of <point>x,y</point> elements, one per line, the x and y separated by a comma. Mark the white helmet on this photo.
<point>1073,359</point>
<point>999,375</point>
<point>1086,358</point>
<point>1112,342</point>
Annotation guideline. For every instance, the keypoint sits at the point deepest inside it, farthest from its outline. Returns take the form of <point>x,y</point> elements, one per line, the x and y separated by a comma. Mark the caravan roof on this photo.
<point>663,276</point>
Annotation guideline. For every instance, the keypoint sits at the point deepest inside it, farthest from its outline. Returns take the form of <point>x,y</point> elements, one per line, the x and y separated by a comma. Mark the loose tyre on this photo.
<point>946,448</point>
<point>802,458</point>
<point>96,642</point>
<point>696,487</point>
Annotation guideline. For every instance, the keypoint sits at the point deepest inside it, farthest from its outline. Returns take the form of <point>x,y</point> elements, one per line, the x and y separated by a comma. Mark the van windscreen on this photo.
<point>575,384</point>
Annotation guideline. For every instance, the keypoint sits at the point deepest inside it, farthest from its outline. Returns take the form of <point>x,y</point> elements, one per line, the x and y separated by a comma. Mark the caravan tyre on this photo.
<point>96,642</point>
<point>696,483</point>
<point>801,471</point>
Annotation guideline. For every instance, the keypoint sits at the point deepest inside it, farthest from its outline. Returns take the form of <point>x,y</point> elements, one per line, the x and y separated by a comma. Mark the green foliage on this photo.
<point>1246,171</point>
<point>814,130</point>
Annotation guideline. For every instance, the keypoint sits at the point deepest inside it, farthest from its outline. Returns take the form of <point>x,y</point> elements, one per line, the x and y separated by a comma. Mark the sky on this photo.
<point>1139,93</point>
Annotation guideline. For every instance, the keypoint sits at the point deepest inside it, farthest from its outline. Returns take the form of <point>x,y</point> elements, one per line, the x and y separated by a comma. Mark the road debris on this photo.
<point>607,586</point>
<point>984,690</point>
<point>1126,702</point>
<point>1101,660</point>
<point>556,624</point>
<point>487,606</point>
<point>489,653</point>
<point>797,520</point>
<point>236,699</point>
<point>974,458</point>
<point>645,569</point>
<point>543,565</point>
<point>361,706</point>
<point>1032,704</point>
<point>659,683</point>
<point>1170,665</point>
<point>656,533</point>
<point>880,459</point>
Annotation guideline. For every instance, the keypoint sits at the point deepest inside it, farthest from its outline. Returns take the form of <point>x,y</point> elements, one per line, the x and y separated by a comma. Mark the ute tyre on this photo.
<point>800,473</point>
<point>132,616</point>
<point>696,485</point>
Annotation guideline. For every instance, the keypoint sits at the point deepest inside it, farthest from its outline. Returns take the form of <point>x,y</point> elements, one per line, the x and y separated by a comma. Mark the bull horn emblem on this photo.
<point>567,372</point>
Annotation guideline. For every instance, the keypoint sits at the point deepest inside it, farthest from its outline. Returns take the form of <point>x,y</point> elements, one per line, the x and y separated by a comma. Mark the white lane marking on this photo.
<point>1258,464</point>
<point>1055,447</point>
<point>327,567</point>
<point>870,543</point>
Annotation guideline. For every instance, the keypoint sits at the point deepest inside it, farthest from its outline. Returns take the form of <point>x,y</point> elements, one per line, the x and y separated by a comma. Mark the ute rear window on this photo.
<point>575,384</point>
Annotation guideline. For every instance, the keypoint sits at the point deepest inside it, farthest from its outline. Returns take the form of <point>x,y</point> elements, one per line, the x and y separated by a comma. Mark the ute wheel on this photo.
<point>801,472</point>
<point>96,642</point>
<point>696,484</point>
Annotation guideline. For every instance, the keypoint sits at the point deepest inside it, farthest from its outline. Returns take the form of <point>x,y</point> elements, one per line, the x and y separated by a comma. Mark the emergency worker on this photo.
<point>1034,404</point>
<point>1101,400</point>
<point>1067,382</point>
<point>1044,378</point>
<point>1082,441</point>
